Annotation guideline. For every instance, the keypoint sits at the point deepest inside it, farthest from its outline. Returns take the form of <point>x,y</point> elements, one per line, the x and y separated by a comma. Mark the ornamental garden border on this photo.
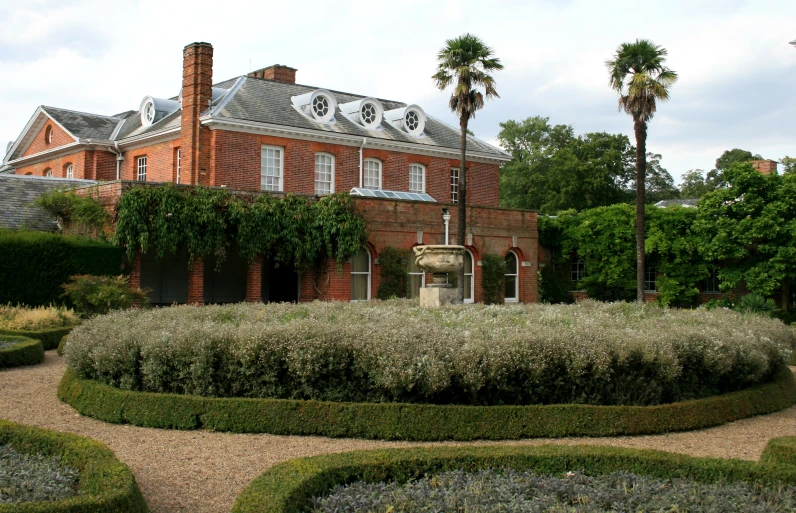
<point>49,337</point>
<point>290,486</point>
<point>418,422</point>
<point>26,351</point>
<point>106,484</point>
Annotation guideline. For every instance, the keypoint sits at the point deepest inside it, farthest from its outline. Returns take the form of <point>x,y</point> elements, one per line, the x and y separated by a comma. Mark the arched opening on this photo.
<point>469,277</point>
<point>512,292</point>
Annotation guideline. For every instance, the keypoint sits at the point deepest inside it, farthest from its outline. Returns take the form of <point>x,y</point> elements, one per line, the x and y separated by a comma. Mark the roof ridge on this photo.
<point>324,88</point>
<point>43,107</point>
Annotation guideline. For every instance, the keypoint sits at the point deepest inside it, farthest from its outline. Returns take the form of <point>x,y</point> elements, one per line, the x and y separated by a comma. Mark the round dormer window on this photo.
<point>320,106</point>
<point>149,113</point>
<point>369,114</point>
<point>412,121</point>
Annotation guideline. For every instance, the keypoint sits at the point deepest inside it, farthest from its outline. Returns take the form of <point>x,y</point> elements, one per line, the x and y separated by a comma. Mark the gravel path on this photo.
<point>202,471</point>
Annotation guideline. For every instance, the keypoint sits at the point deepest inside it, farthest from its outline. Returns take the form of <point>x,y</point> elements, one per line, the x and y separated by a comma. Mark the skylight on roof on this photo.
<point>378,193</point>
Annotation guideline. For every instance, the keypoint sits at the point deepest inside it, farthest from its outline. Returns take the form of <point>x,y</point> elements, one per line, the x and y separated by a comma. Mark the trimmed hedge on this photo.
<point>780,450</point>
<point>26,352</point>
<point>393,421</point>
<point>106,484</point>
<point>290,486</point>
<point>35,264</point>
<point>50,338</point>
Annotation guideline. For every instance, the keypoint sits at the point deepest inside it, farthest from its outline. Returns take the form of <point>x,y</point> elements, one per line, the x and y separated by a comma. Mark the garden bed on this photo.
<point>105,485</point>
<point>391,421</point>
<point>47,324</point>
<point>18,351</point>
<point>290,487</point>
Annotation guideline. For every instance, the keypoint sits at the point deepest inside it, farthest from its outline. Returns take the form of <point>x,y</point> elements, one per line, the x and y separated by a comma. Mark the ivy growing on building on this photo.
<point>493,278</point>
<point>77,214</point>
<point>394,274</point>
<point>300,231</point>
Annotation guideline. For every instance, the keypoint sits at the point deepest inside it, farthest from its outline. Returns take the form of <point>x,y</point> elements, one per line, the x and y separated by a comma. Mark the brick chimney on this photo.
<point>277,72</point>
<point>197,85</point>
<point>765,167</point>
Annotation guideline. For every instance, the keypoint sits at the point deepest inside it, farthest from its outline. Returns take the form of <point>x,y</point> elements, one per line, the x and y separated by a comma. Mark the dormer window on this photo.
<point>149,112</point>
<point>411,119</point>
<point>366,112</point>
<point>318,105</point>
<point>154,109</point>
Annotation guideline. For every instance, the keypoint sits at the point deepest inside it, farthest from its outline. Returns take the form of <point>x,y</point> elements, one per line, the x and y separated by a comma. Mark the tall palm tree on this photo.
<point>639,76</point>
<point>467,61</point>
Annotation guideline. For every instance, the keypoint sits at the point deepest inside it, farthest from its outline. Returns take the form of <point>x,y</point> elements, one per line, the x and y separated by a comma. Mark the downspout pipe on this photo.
<point>364,142</point>
<point>119,158</point>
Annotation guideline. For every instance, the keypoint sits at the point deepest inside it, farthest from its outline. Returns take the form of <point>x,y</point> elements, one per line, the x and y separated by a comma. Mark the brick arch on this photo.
<point>45,171</point>
<point>66,167</point>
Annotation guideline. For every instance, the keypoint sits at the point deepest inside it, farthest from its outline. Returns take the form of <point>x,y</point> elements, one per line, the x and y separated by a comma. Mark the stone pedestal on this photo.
<point>434,297</point>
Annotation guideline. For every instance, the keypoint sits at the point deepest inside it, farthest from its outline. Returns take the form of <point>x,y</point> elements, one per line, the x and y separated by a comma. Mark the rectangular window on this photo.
<point>324,174</point>
<point>711,283</point>
<point>417,178</point>
<point>454,185</point>
<point>578,270</point>
<point>372,174</point>
<point>360,276</point>
<point>141,176</point>
<point>271,167</point>
<point>651,279</point>
<point>179,167</point>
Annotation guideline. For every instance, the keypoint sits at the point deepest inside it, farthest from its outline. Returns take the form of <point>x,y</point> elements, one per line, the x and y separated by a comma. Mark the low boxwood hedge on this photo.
<point>26,351</point>
<point>394,421</point>
<point>106,484</point>
<point>290,486</point>
<point>49,337</point>
<point>780,450</point>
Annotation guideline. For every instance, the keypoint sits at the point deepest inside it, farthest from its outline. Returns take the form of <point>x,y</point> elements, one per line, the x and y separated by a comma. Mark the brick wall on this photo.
<point>235,162</point>
<point>58,166</point>
<point>160,162</point>
<point>40,144</point>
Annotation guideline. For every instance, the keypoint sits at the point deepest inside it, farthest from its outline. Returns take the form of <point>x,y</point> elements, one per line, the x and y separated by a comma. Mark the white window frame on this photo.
<point>516,274</point>
<point>331,177</point>
<point>140,168</point>
<point>70,171</point>
<point>471,276</point>
<point>48,173</point>
<point>359,273</point>
<point>454,185</point>
<point>179,165</point>
<point>365,171</point>
<point>280,187</point>
<point>413,169</point>
<point>420,273</point>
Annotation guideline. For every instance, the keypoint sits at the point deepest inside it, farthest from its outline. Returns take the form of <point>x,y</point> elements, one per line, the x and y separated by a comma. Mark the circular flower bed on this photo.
<point>17,351</point>
<point>558,472</point>
<point>589,353</point>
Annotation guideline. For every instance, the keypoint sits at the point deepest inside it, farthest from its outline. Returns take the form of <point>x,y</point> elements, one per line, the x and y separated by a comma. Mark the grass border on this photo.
<point>106,484</point>
<point>780,450</point>
<point>289,486</point>
<point>419,422</point>
<point>26,351</point>
<point>49,337</point>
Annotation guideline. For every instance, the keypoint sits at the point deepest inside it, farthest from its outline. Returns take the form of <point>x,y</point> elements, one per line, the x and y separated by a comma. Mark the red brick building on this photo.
<point>264,132</point>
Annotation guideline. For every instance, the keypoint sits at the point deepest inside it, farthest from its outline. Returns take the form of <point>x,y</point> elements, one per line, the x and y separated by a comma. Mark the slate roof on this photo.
<point>686,202</point>
<point>18,191</point>
<point>82,124</point>
<point>269,101</point>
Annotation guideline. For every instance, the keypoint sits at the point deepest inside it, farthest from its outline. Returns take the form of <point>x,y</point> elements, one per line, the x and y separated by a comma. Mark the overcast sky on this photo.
<point>737,70</point>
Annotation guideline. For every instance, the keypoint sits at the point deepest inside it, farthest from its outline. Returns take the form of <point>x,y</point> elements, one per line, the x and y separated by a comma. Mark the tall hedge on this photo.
<point>33,265</point>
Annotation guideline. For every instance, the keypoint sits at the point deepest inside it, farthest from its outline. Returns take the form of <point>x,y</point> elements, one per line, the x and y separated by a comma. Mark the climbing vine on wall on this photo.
<point>291,230</point>
<point>80,214</point>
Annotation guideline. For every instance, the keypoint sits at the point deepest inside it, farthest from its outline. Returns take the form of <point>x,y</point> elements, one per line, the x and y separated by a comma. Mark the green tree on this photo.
<point>694,184</point>
<point>553,170</point>
<point>466,62</point>
<point>750,227</point>
<point>788,164</point>
<point>639,76</point>
<point>715,177</point>
<point>659,183</point>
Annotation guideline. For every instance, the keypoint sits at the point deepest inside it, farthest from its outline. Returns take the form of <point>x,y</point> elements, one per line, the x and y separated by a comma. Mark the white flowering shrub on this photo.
<point>589,353</point>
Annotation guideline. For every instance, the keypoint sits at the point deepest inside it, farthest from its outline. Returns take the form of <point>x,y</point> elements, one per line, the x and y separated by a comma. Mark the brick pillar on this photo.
<point>254,281</point>
<point>135,272</point>
<point>196,283</point>
<point>197,84</point>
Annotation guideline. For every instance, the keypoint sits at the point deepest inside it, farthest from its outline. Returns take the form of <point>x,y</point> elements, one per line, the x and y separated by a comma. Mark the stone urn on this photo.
<point>439,260</point>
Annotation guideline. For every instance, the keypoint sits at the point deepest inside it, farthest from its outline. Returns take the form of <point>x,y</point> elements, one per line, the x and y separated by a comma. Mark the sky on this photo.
<point>736,69</point>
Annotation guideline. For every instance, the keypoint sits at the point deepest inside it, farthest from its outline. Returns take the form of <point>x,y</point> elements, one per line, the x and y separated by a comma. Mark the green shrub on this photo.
<point>289,487</point>
<point>555,285</point>
<point>756,304</point>
<point>34,478</point>
<point>106,485</point>
<point>35,264</point>
<point>18,351</point>
<point>780,450</point>
<point>36,318</point>
<point>391,421</point>
<point>493,278</point>
<point>50,338</point>
<point>394,274</point>
<point>396,351</point>
<point>80,213</point>
<point>60,348</point>
<point>95,295</point>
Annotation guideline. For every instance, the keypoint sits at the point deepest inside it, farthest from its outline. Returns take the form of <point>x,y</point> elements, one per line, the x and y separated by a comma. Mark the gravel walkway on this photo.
<point>202,471</point>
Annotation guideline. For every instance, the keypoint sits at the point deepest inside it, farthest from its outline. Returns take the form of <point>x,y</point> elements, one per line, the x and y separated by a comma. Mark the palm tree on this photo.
<point>639,76</point>
<point>467,61</point>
